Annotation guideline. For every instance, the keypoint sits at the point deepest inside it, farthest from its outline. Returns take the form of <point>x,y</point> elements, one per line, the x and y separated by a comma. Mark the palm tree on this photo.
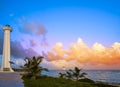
<point>11,62</point>
<point>62,75</point>
<point>32,67</point>
<point>69,75</point>
<point>77,74</point>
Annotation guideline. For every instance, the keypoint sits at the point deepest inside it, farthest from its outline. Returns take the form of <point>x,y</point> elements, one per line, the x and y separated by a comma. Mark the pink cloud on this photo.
<point>98,56</point>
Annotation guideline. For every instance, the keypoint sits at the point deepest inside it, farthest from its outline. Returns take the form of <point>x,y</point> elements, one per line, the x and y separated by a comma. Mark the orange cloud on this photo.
<point>98,56</point>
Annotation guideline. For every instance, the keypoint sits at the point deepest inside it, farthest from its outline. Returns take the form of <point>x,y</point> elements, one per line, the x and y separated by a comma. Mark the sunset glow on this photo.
<point>96,57</point>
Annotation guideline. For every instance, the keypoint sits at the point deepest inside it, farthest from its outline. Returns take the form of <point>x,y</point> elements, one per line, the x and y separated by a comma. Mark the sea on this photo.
<point>107,76</point>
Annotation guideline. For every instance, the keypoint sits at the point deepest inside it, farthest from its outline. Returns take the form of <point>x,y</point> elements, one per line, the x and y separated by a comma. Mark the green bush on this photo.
<point>86,80</point>
<point>44,81</point>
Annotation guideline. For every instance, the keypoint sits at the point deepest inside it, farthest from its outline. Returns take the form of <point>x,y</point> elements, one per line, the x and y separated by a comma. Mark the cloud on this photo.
<point>26,27</point>
<point>32,28</point>
<point>18,51</point>
<point>41,29</point>
<point>33,43</point>
<point>61,64</point>
<point>96,57</point>
<point>56,53</point>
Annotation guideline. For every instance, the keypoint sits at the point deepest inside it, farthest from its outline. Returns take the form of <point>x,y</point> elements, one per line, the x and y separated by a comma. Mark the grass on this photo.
<point>59,82</point>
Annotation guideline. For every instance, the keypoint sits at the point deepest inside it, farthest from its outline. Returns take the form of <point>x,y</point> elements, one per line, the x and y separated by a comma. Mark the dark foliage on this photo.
<point>75,74</point>
<point>32,67</point>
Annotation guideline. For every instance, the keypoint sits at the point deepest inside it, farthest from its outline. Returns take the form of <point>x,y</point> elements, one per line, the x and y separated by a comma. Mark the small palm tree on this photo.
<point>62,75</point>
<point>32,68</point>
<point>69,75</point>
<point>11,62</point>
<point>77,74</point>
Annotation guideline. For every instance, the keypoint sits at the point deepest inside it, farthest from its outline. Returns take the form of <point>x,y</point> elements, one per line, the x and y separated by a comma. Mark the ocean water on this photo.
<point>108,76</point>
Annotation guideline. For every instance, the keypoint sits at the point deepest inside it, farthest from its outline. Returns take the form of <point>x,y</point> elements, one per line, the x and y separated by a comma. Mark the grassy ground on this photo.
<point>59,82</point>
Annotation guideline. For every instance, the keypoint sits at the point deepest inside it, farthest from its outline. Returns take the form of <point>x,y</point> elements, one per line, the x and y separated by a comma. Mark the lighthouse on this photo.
<point>6,50</point>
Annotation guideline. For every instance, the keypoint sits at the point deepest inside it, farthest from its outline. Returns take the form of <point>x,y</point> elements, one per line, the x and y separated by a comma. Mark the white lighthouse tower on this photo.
<point>6,50</point>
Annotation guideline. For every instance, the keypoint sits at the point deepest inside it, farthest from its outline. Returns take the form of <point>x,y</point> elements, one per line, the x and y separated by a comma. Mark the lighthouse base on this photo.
<point>6,70</point>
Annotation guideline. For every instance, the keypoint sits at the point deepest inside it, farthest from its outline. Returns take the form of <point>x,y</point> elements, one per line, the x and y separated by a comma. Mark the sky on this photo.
<point>68,33</point>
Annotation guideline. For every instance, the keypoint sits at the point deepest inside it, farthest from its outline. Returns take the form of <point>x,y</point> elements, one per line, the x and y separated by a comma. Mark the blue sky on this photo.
<point>63,21</point>
<point>66,20</point>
